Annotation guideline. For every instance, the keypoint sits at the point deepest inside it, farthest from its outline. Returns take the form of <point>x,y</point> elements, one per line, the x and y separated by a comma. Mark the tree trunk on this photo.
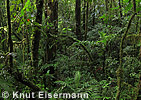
<point>106,3</point>
<point>94,13</point>
<point>120,68</point>
<point>84,15</point>
<point>78,19</point>
<point>52,12</point>
<point>2,30</point>
<point>86,25</point>
<point>134,5</point>
<point>36,39</point>
<point>53,19</point>
<point>10,42</point>
<point>111,4</point>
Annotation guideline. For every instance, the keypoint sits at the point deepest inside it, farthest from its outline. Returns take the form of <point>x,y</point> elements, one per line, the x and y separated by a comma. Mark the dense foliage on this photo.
<point>71,46</point>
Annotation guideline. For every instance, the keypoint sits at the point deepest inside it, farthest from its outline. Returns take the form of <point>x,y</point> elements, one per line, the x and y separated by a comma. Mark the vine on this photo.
<point>120,69</point>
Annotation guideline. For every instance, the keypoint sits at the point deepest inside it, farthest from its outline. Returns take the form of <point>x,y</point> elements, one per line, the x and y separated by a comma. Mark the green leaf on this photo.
<point>64,29</point>
<point>128,8</point>
<point>14,2</point>
<point>69,29</point>
<point>125,1</point>
<point>107,98</point>
<point>77,78</point>
<point>5,28</point>
<point>3,40</point>
<point>27,4</point>
<point>12,7</point>
<point>1,27</point>
<point>22,12</point>
<point>114,8</point>
<point>27,9</point>
<point>102,34</point>
<point>103,16</point>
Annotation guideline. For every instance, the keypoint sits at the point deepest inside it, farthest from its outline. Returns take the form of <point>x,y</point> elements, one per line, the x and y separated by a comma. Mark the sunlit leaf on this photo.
<point>22,12</point>
<point>3,40</point>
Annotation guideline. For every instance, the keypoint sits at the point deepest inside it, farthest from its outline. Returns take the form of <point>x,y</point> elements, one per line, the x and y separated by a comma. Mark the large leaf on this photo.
<point>77,78</point>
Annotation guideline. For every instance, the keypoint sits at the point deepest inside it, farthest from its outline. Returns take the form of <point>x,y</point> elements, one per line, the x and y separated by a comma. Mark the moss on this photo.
<point>119,70</point>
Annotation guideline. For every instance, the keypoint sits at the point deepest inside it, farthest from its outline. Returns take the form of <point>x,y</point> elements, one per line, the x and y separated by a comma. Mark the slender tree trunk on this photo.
<point>84,15</point>
<point>86,25</point>
<point>120,12</point>
<point>51,52</point>
<point>78,19</point>
<point>140,46</point>
<point>45,11</point>
<point>53,18</point>
<point>111,4</point>
<point>120,68</point>
<point>94,13</point>
<point>18,76</point>
<point>10,42</point>
<point>104,58</point>
<point>36,39</point>
<point>106,3</point>
<point>134,5</point>
<point>134,8</point>
<point>2,30</point>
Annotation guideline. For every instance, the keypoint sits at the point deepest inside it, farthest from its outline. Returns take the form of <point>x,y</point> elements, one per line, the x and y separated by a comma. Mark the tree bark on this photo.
<point>10,42</point>
<point>36,39</point>
<point>2,30</point>
<point>52,12</point>
<point>94,13</point>
<point>106,3</point>
<point>78,19</point>
<point>84,7</point>
<point>53,19</point>
<point>134,5</point>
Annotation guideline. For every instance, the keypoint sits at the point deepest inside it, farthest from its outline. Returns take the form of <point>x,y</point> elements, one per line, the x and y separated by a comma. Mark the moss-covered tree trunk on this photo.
<point>36,36</point>
<point>120,68</point>
<point>51,15</point>
<point>2,30</point>
<point>53,19</point>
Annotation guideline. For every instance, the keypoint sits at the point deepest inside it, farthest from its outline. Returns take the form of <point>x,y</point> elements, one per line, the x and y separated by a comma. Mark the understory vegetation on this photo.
<point>71,46</point>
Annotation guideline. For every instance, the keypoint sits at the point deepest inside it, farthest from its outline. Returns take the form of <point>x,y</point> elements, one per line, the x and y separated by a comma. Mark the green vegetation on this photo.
<point>71,46</point>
